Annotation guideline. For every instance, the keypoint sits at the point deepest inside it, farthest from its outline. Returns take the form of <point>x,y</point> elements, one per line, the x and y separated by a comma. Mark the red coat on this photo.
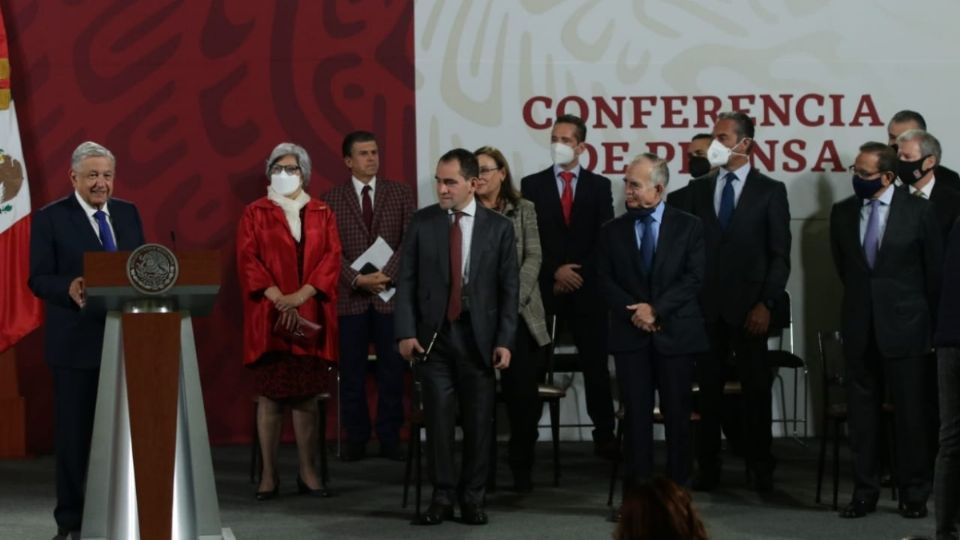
<point>267,255</point>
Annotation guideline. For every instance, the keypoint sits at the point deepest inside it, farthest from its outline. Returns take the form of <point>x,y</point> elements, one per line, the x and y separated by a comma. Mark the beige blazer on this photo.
<point>524,217</point>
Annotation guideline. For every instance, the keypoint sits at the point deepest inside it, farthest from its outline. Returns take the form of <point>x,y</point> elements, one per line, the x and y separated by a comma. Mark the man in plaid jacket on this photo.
<point>368,207</point>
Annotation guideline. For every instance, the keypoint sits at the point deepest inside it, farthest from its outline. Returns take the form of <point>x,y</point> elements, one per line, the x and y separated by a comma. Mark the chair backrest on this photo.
<point>830,349</point>
<point>561,347</point>
<point>780,331</point>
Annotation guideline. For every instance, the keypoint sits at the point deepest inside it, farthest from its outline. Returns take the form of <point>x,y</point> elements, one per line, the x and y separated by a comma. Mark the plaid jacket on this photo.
<point>530,256</point>
<point>393,206</point>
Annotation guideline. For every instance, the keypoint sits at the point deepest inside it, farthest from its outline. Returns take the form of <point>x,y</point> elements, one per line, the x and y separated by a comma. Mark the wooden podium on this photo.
<point>150,474</point>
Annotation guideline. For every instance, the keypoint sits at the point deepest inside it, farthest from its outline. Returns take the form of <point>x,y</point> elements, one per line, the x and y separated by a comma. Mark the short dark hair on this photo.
<point>886,156</point>
<point>354,138</point>
<point>699,136</point>
<point>576,121</point>
<point>907,115</point>
<point>469,168</point>
<point>743,123</point>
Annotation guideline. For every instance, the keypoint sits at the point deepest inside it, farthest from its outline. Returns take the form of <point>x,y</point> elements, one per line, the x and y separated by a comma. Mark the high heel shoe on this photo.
<point>267,495</point>
<point>304,489</point>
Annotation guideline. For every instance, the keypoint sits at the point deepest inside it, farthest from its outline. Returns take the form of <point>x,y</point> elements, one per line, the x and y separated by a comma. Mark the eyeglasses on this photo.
<point>484,171</point>
<point>289,169</point>
<point>861,173</point>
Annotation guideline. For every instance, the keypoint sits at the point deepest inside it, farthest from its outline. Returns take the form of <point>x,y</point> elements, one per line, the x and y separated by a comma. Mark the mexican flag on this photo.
<point>20,311</point>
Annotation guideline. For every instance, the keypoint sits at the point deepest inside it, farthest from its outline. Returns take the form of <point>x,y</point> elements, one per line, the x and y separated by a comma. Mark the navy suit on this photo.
<point>60,234</point>
<point>662,361</point>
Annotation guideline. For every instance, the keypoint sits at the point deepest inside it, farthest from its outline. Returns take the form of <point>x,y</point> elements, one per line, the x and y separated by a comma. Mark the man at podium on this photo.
<point>88,219</point>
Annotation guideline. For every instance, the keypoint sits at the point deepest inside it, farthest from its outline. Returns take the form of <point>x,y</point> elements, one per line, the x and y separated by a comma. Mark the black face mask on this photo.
<point>910,172</point>
<point>640,212</point>
<point>698,165</point>
<point>866,189</point>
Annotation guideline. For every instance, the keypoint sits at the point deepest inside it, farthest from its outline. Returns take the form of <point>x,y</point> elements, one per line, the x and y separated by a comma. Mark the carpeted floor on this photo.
<point>368,492</point>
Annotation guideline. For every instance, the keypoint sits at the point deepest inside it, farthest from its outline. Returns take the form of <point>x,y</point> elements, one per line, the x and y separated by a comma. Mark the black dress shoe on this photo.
<point>706,481</point>
<point>267,495</point>
<point>436,514</point>
<point>606,449</point>
<point>353,452</point>
<point>857,509</point>
<point>913,510</point>
<point>304,489</point>
<point>473,514</point>
<point>763,481</point>
<point>65,534</point>
<point>393,452</point>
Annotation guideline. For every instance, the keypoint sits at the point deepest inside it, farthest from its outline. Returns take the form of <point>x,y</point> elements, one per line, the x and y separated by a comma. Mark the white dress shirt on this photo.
<point>358,187</point>
<point>90,211</point>
<point>466,232</point>
<point>927,189</point>
<point>741,173</point>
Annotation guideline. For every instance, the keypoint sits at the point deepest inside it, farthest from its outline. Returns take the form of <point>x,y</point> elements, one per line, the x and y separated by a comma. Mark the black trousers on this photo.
<point>947,477</point>
<point>519,385</point>
<point>457,375</point>
<point>641,373</point>
<point>868,377</point>
<point>356,334</point>
<point>75,401</point>
<point>748,356</point>
<point>589,330</point>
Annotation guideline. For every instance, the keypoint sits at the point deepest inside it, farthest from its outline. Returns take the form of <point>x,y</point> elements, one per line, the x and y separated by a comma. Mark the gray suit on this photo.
<point>459,369</point>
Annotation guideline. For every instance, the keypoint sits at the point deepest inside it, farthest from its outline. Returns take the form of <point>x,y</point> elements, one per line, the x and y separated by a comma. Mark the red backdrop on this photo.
<point>191,97</point>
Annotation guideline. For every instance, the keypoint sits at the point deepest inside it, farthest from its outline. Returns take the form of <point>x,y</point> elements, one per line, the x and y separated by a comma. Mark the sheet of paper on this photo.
<point>378,254</point>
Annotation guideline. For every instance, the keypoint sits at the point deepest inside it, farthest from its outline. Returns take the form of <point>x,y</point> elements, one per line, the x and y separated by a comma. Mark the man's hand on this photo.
<point>567,279</point>
<point>77,292</point>
<point>758,320</point>
<point>408,347</point>
<point>374,283</point>
<point>501,358</point>
<point>644,317</point>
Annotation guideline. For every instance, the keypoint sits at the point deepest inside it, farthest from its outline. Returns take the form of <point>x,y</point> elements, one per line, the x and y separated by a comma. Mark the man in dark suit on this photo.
<point>88,219</point>
<point>946,483</point>
<point>906,120</point>
<point>368,207</point>
<point>887,250</point>
<point>746,221</point>
<point>697,165</point>
<point>458,289</point>
<point>918,154</point>
<point>651,263</point>
<point>572,204</point>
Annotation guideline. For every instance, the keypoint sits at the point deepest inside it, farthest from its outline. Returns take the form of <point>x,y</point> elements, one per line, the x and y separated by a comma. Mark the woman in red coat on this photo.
<point>288,261</point>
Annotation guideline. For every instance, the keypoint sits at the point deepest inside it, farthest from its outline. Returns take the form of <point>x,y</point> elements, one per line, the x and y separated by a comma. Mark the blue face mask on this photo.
<point>866,189</point>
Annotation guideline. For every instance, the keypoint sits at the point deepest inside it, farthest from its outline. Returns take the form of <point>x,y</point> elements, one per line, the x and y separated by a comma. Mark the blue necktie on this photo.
<point>106,237</point>
<point>726,201</point>
<point>647,243</point>
<point>871,238</point>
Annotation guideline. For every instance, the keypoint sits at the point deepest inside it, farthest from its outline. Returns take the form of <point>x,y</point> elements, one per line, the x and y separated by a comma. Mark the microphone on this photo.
<point>173,239</point>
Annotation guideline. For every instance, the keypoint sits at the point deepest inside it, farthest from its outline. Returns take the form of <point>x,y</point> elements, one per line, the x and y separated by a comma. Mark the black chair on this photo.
<point>780,355</point>
<point>256,458</point>
<point>834,411</point>
<point>414,450</point>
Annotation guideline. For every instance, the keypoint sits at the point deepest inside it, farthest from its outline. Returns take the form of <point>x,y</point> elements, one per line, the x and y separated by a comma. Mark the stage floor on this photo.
<point>368,496</point>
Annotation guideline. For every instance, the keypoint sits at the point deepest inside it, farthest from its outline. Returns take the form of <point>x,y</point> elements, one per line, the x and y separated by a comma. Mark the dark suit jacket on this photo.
<point>750,261</point>
<point>948,319</point>
<point>946,205</point>
<point>60,234</point>
<point>393,206</point>
<point>423,285</point>
<point>680,198</point>
<point>949,177</point>
<point>897,299</point>
<point>592,207</point>
<point>678,269</point>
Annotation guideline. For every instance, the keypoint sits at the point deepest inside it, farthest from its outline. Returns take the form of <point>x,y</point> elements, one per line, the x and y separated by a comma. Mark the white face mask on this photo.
<point>561,154</point>
<point>284,183</point>
<point>719,155</point>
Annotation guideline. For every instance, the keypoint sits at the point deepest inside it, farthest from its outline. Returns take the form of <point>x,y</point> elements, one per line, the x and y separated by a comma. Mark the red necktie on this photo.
<point>456,273</point>
<point>367,209</point>
<point>566,198</point>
